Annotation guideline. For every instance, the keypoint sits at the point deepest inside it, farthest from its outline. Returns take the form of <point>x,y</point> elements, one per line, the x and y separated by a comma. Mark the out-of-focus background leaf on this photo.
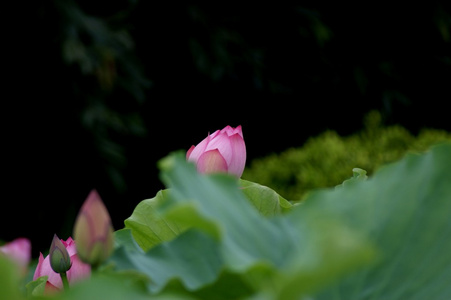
<point>96,92</point>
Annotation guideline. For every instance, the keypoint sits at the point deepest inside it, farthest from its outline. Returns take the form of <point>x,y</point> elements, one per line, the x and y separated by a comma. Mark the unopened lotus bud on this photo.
<point>222,151</point>
<point>93,231</point>
<point>59,257</point>
<point>77,272</point>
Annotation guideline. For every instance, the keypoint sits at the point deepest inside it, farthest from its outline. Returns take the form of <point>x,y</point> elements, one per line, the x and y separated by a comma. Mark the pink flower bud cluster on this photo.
<point>93,233</point>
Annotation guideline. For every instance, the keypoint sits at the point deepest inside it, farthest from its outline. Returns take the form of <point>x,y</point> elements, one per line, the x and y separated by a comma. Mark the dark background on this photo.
<point>95,94</point>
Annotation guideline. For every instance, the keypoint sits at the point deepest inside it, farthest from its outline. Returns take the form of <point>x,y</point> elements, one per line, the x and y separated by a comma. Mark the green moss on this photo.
<point>328,159</point>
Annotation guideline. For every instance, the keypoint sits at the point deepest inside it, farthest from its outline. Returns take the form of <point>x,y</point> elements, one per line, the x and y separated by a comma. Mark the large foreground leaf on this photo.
<point>9,279</point>
<point>194,265</point>
<point>323,248</point>
<point>109,286</point>
<point>231,240</point>
<point>149,228</point>
<point>405,210</point>
<point>249,244</point>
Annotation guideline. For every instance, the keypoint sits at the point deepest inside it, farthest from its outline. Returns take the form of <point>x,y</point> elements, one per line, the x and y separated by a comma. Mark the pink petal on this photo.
<point>222,143</point>
<point>199,149</point>
<point>38,271</point>
<point>214,134</point>
<point>228,129</point>
<point>70,246</point>
<point>211,162</point>
<point>188,153</point>
<point>238,161</point>
<point>231,131</point>
<point>68,242</point>
<point>238,130</point>
<point>78,271</point>
<point>19,250</point>
<point>50,288</point>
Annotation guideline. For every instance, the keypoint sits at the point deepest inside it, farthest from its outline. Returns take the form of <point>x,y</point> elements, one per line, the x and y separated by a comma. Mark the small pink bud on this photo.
<point>93,231</point>
<point>222,151</point>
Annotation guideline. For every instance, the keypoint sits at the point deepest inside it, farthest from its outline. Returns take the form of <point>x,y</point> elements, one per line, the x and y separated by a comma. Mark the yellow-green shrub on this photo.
<point>328,159</point>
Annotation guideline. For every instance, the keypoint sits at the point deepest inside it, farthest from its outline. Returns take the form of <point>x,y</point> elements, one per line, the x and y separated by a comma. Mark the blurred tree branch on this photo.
<point>110,77</point>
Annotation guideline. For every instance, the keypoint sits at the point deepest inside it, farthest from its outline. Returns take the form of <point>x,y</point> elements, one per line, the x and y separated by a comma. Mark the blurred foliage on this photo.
<point>106,75</point>
<point>316,53</point>
<point>328,159</point>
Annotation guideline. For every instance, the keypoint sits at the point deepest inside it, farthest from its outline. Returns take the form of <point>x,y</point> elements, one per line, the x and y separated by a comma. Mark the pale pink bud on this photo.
<point>93,231</point>
<point>222,151</point>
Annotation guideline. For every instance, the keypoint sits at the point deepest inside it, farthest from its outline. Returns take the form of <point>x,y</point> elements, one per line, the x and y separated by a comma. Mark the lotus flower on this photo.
<point>77,272</point>
<point>222,151</point>
<point>93,231</point>
<point>19,250</point>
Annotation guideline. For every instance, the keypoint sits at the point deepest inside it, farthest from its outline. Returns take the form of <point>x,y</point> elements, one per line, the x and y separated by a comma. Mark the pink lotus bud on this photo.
<point>93,231</point>
<point>77,272</point>
<point>222,151</point>
<point>19,250</point>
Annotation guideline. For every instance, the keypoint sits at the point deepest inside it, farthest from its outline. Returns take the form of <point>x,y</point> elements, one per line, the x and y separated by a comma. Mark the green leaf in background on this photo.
<point>357,174</point>
<point>148,227</point>
<point>124,237</point>
<point>266,200</point>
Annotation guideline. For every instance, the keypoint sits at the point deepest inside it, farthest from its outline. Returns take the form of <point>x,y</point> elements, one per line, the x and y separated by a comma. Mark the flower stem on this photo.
<point>64,280</point>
